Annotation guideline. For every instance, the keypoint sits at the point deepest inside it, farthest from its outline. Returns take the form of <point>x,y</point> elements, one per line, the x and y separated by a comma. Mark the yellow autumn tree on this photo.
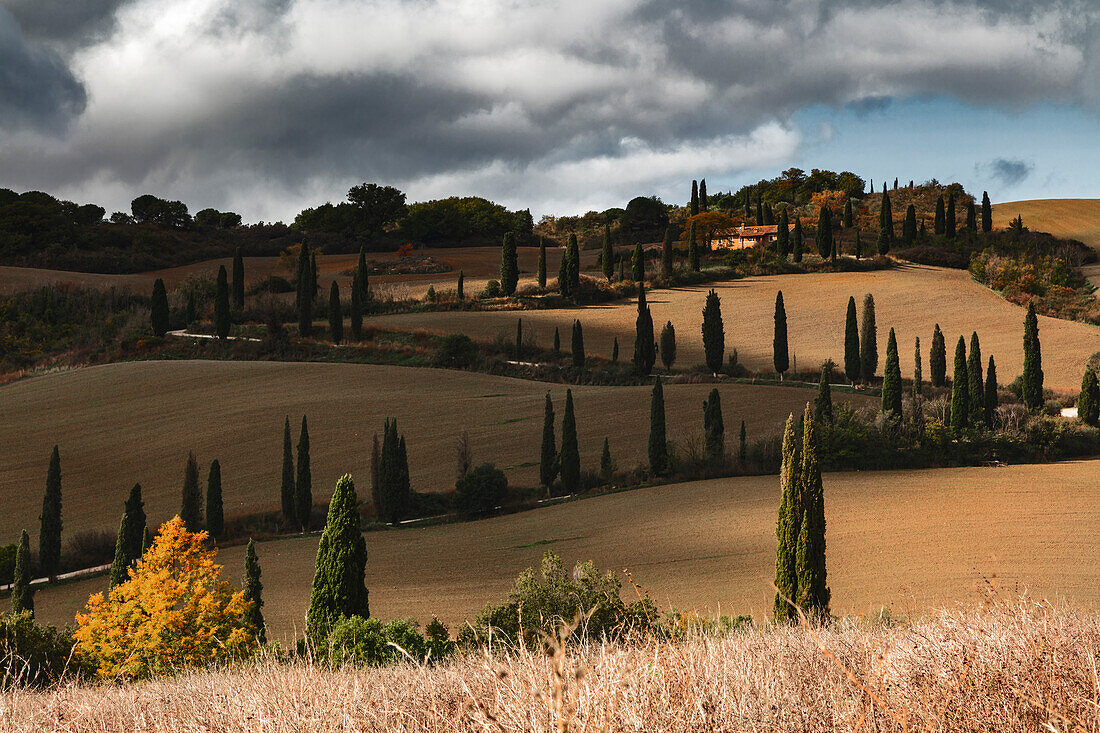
<point>173,613</point>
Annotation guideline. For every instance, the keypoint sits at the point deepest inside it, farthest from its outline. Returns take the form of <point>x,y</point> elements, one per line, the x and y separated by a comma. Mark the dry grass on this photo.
<point>909,540</point>
<point>1012,666</point>
<point>1073,218</point>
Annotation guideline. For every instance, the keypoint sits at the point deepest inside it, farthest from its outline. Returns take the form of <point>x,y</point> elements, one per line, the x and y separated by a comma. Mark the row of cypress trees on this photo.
<point>296,491</point>
<point>392,487</point>
<point>191,506</point>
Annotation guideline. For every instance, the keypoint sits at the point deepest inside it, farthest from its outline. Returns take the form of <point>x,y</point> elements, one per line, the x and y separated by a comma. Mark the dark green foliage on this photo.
<point>976,386</point>
<point>949,221</point>
<point>215,514</point>
<point>335,314</point>
<point>548,458</point>
<point>1088,401</point>
<point>509,265</point>
<point>960,390</point>
<point>519,339</point>
<point>395,490</point>
<point>668,346</point>
<point>769,217</point>
<point>823,403</point>
<point>357,308</point>
<point>303,486</point>
<point>607,255</point>
<point>868,340</point>
<point>622,269</point>
<point>891,378</point>
<point>846,222</point>
<point>780,356</point>
<point>918,376</point>
<point>615,351</point>
<point>557,342</point>
<point>714,332</point>
<point>637,264</point>
<point>939,225</point>
<point>742,446</point>
<point>886,226</point>
<point>304,289</point>
<point>158,308</point>
<point>22,592</point>
<point>852,364</point>
<point>987,213</point>
<point>971,219</point>
<point>783,235</point>
<point>991,392</point>
<point>35,655</point>
<point>238,278</point>
<point>693,250</point>
<point>254,593</point>
<point>287,493</point>
<point>574,262</point>
<point>221,305</point>
<point>824,234</point>
<point>1033,362</point>
<point>645,349</point>
<point>937,359</point>
<point>693,205</point>
<point>457,351</point>
<point>480,492</point>
<point>540,269</point>
<point>714,427</point>
<point>787,528</point>
<point>371,643</point>
<point>607,465</point>
<point>658,440</point>
<point>909,229</point>
<point>759,211</point>
<point>191,504</point>
<point>564,288</point>
<point>361,280</point>
<point>796,243</point>
<point>338,586</point>
<point>859,246</point>
<point>460,290</point>
<point>121,561</point>
<point>570,457</point>
<point>578,345</point>
<point>703,195</point>
<point>49,535</point>
<point>134,536</point>
<point>813,586</point>
<point>666,256</point>
<point>314,274</point>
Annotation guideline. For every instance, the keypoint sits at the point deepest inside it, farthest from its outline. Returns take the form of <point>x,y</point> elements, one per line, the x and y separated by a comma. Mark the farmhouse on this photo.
<point>744,236</point>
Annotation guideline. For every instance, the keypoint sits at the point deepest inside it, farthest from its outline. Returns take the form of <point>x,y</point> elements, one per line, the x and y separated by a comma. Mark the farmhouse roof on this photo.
<point>760,231</point>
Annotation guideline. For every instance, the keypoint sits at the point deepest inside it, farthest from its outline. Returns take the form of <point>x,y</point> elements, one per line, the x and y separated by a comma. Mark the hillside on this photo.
<point>910,540</point>
<point>1070,218</point>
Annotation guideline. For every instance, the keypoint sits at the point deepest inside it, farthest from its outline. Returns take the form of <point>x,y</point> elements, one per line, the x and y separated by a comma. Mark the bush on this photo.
<point>492,290</point>
<point>88,549</point>
<point>480,491</point>
<point>924,254</point>
<point>32,654</point>
<point>272,284</point>
<point>370,643</point>
<point>457,351</point>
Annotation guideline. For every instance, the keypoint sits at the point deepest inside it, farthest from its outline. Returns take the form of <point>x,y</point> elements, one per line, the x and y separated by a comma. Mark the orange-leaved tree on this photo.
<point>173,613</point>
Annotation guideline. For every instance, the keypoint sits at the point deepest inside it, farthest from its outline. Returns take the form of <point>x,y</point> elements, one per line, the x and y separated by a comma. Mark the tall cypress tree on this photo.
<point>787,528</point>
<point>238,279</point>
<point>971,219</point>
<point>22,592</point>
<point>666,256</point>
<point>748,206</point>
<point>852,364</point>
<point>1033,362</point>
<point>658,440</point>
<point>287,494</point>
<point>303,486</point>
<point>868,340</point>
<point>949,222</point>
<point>987,213</point>
<point>693,205</point>
<point>990,392</point>
<point>578,345</point>
<point>960,390</point>
<point>703,204</point>
<point>909,230</point>
<point>645,353</point>
<point>158,309</point>
<point>253,593</point>
<point>570,459</point>
<point>49,536</point>
<point>607,466</point>
<point>714,332</point>
<point>404,484</point>
<point>607,255</point>
<point>357,308</point>
<point>769,217</point>
<point>574,264</point>
<point>191,504</point>
<point>742,446</point>
<point>668,346</point>
<point>824,234</point>
<point>134,538</point>
<point>121,561</point>
<point>891,378</point>
<point>459,288</point>
<point>548,458</point>
<point>937,359</point>
<point>509,265</point>
<point>796,240</point>
<point>918,376</point>
<point>1088,401</point>
<point>221,305</point>
<point>361,278</point>
<point>540,269</point>
<point>615,351</point>
<point>519,339</point>
<point>693,250</point>
<point>846,221</point>
<point>886,225</point>
<point>564,288</point>
<point>637,264</point>
<point>335,314</point>
<point>813,586</point>
<point>759,210</point>
<point>858,246</point>
<point>714,427</point>
<point>215,514</point>
<point>314,275</point>
<point>976,386</point>
<point>304,299</point>
<point>557,343</point>
<point>823,403</point>
<point>939,224</point>
<point>783,235</point>
<point>338,579</point>
<point>780,356</point>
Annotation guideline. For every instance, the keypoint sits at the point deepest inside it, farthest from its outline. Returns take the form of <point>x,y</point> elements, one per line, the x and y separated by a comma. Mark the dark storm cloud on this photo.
<point>36,88</point>
<point>1010,172</point>
<point>68,22</point>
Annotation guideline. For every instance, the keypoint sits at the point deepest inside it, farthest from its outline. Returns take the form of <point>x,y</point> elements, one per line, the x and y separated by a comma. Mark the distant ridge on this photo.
<point>1071,218</point>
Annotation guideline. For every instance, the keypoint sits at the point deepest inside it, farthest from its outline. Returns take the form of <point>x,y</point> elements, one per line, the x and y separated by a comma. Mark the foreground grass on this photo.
<point>1010,665</point>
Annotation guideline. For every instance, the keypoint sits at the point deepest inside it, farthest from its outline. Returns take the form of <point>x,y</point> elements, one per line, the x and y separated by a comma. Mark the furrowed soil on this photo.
<point>908,540</point>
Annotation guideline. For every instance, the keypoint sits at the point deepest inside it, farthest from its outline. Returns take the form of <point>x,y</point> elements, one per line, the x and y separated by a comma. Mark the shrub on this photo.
<point>480,491</point>
<point>492,290</point>
<point>370,643</point>
<point>457,351</point>
<point>272,284</point>
<point>32,654</point>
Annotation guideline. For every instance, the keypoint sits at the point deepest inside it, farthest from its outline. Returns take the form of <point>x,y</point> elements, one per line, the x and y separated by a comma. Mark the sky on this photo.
<point>265,107</point>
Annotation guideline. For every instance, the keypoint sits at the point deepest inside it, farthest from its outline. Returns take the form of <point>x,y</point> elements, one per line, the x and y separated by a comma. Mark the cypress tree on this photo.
<point>304,300</point>
<point>714,332</point>
<point>813,586</point>
<point>574,264</point>
<point>607,255</point>
<point>191,505</point>
<point>578,345</point>
<point>693,250</point>
<point>852,364</point>
<point>388,474</point>
<point>918,377</point>
<point>824,234</point>
<point>769,218</point>
<point>895,183</point>
<point>338,584</point>
<point>1088,401</point>
<point>460,288</point>
<point>823,403</point>
<point>787,528</point>
<point>742,448</point>
<point>714,427</point>
<point>703,195</point>
<point>607,466</point>
<point>990,392</point>
<point>287,493</point>
<point>939,224</point>
<point>987,213</point>
<point>509,265</point>
<point>303,487</point>
<point>783,235</point>
<point>693,206</point>
<point>891,378</point>
<point>335,314</point>
<point>666,255</point>
<point>238,279</point>
<point>570,459</point>
<point>960,390</point>
<point>221,305</point>
<point>563,274</point>
<point>949,223</point>
<point>121,561</point>
<point>615,351</point>
<point>158,309</point>
<point>759,210</point>
<point>971,219</point>
<point>49,536</point>
<point>859,246</point>
<point>909,230</point>
<point>796,244</point>
<point>357,308</point>
<point>215,514</point>
<point>22,592</point>
<point>668,346</point>
<point>937,359</point>
<point>404,484</point>
<point>1033,362</point>
<point>886,225</point>
<point>658,441</point>
<point>622,269</point>
<point>376,478</point>
<point>540,270</point>
<point>748,206</point>
<point>360,280</point>
<point>314,275</point>
<point>519,339</point>
<point>644,347</point>
<point>557,343</point>
<point>780,357</point>
<point>253,593</point>
<point>846,222</point>
<point>135,510</point>
<point>976,385</point>
<point>637,264</point>
<point>868,340</point>
<point>548,460</point>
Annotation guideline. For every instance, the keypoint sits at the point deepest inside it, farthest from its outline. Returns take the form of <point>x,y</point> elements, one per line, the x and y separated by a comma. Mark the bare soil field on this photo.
<point>909,540</point>
<point>1073,218</point>
<point>129,422</point>
<point>911,299</point>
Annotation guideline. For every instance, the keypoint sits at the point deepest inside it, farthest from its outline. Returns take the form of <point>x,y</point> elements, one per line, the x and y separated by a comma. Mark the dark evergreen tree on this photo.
<point>813,586</point>
<point>404,483</point>
<point>960,390</point>
<point>796,240</point>
<point>895,184</point>
<point>918,376</point>
<point>215,513</point>
<point>693,250</point>
<point>509,265</point>
<point>191,505</point>
<point>578,345</point>
<point>557,343</point>
<point>22,592</point>
<point>574,264</point>
<point>987,213</point>
<point>541,268</point>
<point>460,287</point>
<point>783,235</point>
<point>714,333</point>
<point>615,351</point>
<point>564,288</point>
<point>868,340</point>
<point>362,277</point>
<point>548,459</point>
<point>886,225</point>
<point>759,211</point>
<point>658,441</point>
<point>121,562</point>
<point>976,385</point>
<point>937,359</point>
<point>238,279</point>
<point>637,264</point>
<point>847,221</point>
<point>158,309</point>
<point>949,221</point>
<point>823,403</point>
<point>645,352</point>
<point>939,224</point>
<point>743,446</point>
<point>971,219</point>
<point>622,268</point>
<point>787,528</point>
<point>1033,362</point>
<point>253,593</point>
<point>703,203</point>
<point>666,255</point>
<point>852,363</point>
<point>376,478</point>
<point>304,299</point>
<point>607,466</point>
<point>357,308</point>
<point>990,392</point>
<point>135,534</point>
<point>693,206</point>
<point>303,486</point>
<point>1088,401</point>
<point>858,246</point>
<point>668,346</point>
<point>314,274</point>
<point>891,378</point>
<point>338,581</point>
<point>607,254</point>
<point>335,314</point>
<point>221,305</point>
<point>780,356</point>
<point>49,535</point>
<point>748,206</point>
<point>519,340</point>
<point>824,234</point>
<point>570,457</point>
<point>714,427</point>
<point>909,230</point>
<point>769,217</point>
<point>290,514</point>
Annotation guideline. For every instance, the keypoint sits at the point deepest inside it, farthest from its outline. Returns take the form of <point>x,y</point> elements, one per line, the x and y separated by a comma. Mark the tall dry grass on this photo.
<point>1019,665</point>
